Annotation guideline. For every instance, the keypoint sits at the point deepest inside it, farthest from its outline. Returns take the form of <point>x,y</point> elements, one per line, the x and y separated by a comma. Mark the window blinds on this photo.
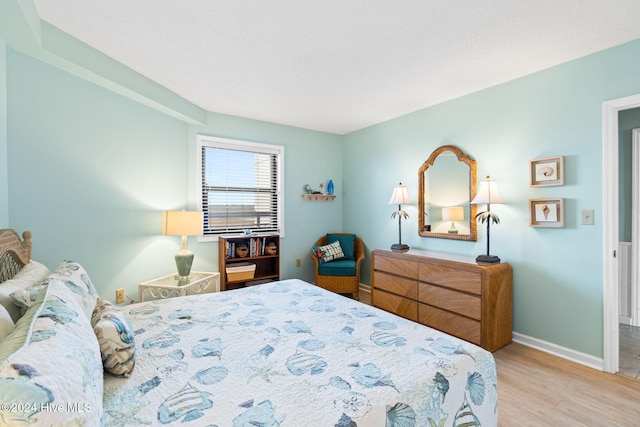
<point>240,188</point>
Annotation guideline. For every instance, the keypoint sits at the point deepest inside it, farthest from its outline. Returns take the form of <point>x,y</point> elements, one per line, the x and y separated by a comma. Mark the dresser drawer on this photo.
<point>451,278</point>
<point>397,305</point>
<point>395,284</point>
<point>447,299</point>
<point>397,266</point>
<point>461,327</point>
<point>451,293</point>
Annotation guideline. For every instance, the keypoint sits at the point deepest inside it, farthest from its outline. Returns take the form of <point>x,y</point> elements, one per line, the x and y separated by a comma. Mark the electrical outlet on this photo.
<point>298,262</point>
<point>119,296</point>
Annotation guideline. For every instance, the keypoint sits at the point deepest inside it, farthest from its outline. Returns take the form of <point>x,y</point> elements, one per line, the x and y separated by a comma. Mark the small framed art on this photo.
<point>546,172</point>
<point>546,213</point>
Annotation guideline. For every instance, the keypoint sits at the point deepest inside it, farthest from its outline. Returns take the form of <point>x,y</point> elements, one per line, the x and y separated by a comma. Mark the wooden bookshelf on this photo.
<point>257,252</point>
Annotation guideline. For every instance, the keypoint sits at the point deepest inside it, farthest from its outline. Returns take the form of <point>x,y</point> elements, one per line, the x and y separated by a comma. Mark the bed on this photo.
<point>285,353</point>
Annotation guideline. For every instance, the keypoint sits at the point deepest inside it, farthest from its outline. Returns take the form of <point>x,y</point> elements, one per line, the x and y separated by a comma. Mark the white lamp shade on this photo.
<point>182,223</point>
<point>453,214</point>
<point>400,196</point>
<point>487,193</point>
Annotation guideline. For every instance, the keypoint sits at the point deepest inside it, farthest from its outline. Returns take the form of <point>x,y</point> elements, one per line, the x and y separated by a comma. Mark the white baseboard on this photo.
<point>563,352</point>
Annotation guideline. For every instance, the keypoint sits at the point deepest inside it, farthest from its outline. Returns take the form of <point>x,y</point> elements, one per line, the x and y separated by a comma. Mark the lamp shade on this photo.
<point>182,223</point>
<point>487,193</point>
<point>453,214</point>
<point>400,196</point>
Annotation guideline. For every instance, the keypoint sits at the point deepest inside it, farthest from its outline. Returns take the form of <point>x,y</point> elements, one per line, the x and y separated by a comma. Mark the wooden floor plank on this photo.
<point>539,389</point>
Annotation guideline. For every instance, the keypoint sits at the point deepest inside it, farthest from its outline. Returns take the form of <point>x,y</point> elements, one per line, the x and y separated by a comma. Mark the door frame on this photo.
<point>610,227</point>
<point>635,224</point>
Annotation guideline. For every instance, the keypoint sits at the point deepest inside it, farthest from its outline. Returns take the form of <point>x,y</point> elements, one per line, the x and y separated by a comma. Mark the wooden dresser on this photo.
<point>447,292</point>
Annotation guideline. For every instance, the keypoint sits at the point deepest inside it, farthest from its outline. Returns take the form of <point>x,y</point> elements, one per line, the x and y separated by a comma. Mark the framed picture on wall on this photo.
<point>546,213</point>
<point>546,172</point>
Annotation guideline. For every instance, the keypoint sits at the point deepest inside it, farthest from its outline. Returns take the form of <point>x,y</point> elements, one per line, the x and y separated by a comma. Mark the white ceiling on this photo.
<point>339,65</point>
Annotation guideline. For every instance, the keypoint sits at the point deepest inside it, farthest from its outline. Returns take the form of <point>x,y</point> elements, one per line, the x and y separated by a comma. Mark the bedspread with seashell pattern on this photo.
<point>291,354</point>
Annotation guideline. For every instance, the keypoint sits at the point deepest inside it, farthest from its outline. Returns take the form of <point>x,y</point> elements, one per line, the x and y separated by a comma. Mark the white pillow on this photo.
<point>6,323</point>
<point>33,272</point>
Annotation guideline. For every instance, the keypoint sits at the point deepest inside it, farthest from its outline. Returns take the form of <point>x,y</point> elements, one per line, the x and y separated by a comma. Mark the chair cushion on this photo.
<point>328,252</point>
<point>341,267</point>
<point>347,243</point>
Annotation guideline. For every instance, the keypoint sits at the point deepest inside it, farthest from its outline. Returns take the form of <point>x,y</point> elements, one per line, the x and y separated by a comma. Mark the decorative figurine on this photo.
<point>271,248</point>
<point>309,190</point>
<point>242,250</point>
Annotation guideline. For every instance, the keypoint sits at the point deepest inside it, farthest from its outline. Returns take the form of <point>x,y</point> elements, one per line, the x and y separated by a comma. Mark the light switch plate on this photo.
<point>587,216</point>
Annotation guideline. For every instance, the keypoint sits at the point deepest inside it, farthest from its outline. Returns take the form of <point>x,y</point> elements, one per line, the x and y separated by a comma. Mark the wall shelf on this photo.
<point>317,198</point>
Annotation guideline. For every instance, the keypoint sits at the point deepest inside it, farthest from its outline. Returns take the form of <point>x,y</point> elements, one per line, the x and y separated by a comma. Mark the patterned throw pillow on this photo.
<point>32,273</point>
<point>116,338</point>
<point>328,252</point>
<point>71,274</point>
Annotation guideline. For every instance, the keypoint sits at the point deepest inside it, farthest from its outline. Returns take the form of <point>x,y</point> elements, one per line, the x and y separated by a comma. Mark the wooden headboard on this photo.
<point>14,252</point>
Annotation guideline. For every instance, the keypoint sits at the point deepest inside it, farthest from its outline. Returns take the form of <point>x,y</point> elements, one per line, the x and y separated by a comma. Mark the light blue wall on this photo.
<point>558,283</point>
<point>4,183</point>
<point>91,171</point>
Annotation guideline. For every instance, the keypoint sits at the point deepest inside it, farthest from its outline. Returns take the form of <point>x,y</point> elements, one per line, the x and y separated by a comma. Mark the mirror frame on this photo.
<point>464,158</point>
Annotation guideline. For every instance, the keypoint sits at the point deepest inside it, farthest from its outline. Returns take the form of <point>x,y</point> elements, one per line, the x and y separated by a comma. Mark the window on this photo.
<point>240,186</point>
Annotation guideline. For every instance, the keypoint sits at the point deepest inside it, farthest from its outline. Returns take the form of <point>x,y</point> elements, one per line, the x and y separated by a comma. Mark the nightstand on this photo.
<point>172,286</point>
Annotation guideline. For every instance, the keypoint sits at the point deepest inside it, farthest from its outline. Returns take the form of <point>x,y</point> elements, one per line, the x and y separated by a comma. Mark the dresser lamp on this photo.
<point>487,194</point>
<point>400,197</point>
<point>182,223</point>
<point>453,214</point>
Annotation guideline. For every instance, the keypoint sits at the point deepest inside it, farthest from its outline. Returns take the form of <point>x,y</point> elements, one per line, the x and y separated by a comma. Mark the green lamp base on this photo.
<point>184,262</point>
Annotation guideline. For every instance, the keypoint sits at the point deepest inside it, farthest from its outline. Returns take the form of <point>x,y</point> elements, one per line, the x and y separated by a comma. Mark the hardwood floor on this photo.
<point>365,295</point>
<point>629,351</point>
<point>539,389</point>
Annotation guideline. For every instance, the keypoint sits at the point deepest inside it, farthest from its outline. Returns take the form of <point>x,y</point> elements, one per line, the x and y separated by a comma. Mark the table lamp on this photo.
<point>182,223</point>
<point>453,214</point>
<point>400,197</point>
<point>487,194</point>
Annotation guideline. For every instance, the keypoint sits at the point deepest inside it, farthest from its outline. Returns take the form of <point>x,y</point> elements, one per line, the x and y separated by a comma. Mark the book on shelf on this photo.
<point>256,246</point>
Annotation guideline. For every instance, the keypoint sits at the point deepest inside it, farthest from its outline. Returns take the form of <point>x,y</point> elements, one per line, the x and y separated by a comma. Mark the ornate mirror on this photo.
<point>446,185</point>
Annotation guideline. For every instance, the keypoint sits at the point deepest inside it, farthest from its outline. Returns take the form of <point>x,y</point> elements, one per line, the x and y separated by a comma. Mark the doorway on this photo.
<point>629,232</point>
<point>611,228</point>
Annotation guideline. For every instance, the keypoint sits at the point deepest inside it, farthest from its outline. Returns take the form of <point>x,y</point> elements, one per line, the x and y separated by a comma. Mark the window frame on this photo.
<point>204,141</point>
